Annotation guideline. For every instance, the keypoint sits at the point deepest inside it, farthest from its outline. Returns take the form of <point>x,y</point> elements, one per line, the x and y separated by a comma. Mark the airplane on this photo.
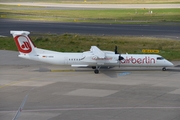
<point>94,58</point>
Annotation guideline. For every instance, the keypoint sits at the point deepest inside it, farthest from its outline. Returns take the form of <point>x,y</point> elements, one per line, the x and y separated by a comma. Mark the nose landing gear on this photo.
<point>164,69</point>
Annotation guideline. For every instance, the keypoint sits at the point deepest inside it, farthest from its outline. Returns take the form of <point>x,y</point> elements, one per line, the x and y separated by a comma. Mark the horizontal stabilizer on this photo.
<point>20,32</point>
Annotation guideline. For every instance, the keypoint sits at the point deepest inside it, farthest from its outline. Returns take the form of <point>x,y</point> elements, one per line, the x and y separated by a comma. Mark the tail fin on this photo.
<point>23,42</point>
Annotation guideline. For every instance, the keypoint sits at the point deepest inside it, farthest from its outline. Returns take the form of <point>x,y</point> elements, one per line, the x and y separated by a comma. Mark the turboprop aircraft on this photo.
<point>94,58</point>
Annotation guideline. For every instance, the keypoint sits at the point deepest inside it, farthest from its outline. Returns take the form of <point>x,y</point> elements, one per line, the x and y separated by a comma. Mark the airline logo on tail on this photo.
<point>23,44</point>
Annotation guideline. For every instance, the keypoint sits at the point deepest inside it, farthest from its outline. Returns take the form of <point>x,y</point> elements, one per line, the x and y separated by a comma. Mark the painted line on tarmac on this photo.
<point>16,82</point>
<point>101,108</point>
<point>124,73</point>
<point>62,70</point>
<point>95,108</point>
<point>98,108</point>
<point>11,83</point>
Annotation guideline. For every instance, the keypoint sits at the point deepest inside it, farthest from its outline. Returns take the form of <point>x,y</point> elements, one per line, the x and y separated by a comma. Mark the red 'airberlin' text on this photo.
<point>144,60</point>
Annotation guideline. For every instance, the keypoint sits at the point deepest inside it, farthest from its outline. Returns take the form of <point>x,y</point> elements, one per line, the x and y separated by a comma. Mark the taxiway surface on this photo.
<point>133,94</point>
<point>167,31</point>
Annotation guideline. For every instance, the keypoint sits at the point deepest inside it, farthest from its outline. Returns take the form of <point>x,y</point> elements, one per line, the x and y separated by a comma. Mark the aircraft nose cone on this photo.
<point>170,64</point>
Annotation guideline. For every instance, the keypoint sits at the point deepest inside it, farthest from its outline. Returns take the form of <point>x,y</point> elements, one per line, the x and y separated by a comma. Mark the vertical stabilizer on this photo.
<point>23,42</point>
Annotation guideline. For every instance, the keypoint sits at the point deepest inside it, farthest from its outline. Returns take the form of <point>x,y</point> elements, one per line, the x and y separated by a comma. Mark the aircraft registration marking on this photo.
<point>48,56</point>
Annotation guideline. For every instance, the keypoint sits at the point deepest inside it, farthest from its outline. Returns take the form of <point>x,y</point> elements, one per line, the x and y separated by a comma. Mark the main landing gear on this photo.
<point>96,71</point>
<point>164,69</point>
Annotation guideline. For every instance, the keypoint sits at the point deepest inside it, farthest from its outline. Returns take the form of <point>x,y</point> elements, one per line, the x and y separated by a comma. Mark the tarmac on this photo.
<point>65,93</point>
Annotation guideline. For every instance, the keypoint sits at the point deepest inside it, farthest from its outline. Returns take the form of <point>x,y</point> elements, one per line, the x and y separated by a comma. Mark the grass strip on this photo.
<point>169,49</point>
<point>110,16</point>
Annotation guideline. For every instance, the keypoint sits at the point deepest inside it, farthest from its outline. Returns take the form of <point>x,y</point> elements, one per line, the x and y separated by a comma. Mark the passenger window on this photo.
<point>160,58</point>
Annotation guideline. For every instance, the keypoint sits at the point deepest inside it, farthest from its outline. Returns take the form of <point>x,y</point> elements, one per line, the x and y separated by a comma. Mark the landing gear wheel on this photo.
<point>163,69</point>
<point>96,71</point>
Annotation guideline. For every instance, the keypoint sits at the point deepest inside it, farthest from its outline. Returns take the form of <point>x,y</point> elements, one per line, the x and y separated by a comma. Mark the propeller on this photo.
<point>115,50</point>
<point>120,57</point>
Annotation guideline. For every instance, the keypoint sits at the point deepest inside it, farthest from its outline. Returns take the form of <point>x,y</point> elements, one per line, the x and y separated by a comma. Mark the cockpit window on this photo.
<point>160,58</point>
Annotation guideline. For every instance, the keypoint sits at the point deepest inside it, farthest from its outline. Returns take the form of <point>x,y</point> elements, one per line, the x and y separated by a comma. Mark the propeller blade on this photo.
<point>120,57</point>
<point>115,50</point>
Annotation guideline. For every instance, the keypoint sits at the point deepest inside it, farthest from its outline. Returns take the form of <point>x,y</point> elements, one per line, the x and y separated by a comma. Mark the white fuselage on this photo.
<point>88,59</point>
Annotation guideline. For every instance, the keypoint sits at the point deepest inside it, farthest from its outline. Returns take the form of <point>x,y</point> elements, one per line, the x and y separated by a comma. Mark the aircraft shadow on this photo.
<point>110,72</point>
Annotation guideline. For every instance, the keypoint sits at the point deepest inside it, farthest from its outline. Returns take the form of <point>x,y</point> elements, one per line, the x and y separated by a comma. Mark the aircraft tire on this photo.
<point>163,69</point>
<point>96,71</point>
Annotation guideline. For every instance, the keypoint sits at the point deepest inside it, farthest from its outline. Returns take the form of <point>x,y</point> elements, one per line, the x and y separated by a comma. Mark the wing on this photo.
<point>97,52</point>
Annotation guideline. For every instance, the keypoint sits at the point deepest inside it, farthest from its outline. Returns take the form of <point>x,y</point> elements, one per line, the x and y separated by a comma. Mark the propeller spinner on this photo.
<point>116,52</point>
